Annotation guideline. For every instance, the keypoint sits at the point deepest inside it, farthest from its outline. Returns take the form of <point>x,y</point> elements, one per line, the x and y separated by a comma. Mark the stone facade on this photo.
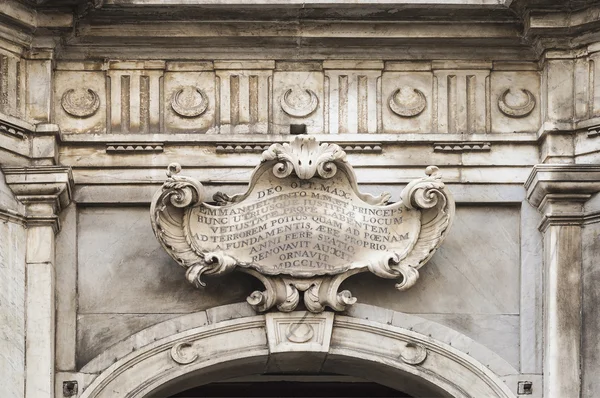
<point>98,97</point>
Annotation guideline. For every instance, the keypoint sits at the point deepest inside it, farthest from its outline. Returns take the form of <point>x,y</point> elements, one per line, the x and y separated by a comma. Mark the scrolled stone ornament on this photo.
<point>302,227</point>
<point>80,102</point>
<point>214,264</point>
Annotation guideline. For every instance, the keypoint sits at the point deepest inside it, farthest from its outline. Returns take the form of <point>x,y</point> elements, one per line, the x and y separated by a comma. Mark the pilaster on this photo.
<point>44,191</point>
<point>559,192</point>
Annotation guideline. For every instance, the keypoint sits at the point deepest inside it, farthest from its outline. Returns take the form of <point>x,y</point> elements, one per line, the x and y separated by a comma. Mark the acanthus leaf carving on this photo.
<point>302,227</point>
<point>80,102</point>
<point>189,102</point>
<point>303,107</point>
<point>407,102</point>
<point>517,111</point>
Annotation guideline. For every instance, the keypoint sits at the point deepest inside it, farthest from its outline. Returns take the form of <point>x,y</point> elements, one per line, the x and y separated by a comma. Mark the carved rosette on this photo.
<point>303,227</point>
<point>80,102</point>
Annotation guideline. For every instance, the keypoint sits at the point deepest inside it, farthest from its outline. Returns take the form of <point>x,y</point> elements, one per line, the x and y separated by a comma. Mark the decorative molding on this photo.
<point>517,111</point>
<point>193,104</point>
<point>134,147</point>
<point>325,243</point>
<point>407,102</point>
<point>593,131</point>
<point>254,147</point>
<point>464,146</point>
<point>255,337</point>
<point>80,102</point>
<point>300,107</point>
<point>13,126</point>
<point>11,129</point>
<point>12,216</point>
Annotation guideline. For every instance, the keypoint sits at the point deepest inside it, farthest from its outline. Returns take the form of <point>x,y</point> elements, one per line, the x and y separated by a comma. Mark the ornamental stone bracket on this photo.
<point>44,190</point>
<point>302,226</point>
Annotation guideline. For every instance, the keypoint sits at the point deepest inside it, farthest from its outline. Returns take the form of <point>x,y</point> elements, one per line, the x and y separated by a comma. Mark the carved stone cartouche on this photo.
<point>302,226</point>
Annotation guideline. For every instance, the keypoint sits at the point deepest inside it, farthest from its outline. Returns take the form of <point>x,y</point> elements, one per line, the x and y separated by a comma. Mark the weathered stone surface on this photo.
<point>12,310</point>
<point>98,332</point>
<point>123,269</point>
<point>591,308</point>
<point>454,281</point>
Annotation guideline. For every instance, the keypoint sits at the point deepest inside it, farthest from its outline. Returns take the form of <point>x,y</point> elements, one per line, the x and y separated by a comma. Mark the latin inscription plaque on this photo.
<point>302,226</point>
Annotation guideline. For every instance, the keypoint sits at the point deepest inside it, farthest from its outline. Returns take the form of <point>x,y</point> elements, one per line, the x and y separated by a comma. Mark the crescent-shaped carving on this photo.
<point>186,110</point>
<point>406,107</point>
<point>83,105</point>
<point>516,111</point>
<point>296,111</point>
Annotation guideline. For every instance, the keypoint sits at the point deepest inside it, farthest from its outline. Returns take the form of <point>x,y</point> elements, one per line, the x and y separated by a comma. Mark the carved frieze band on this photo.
<point>258,98</point>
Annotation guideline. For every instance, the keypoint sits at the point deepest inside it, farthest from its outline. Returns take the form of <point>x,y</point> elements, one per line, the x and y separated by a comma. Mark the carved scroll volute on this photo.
<point>306,158</point>
<point>430,196</point>
<point>168,222</point>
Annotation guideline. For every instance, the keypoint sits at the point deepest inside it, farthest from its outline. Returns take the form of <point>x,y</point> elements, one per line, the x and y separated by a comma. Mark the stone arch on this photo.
<point>299,341</point>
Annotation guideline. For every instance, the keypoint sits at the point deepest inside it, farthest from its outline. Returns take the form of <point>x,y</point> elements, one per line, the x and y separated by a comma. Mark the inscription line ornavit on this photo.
<point>303,225</point>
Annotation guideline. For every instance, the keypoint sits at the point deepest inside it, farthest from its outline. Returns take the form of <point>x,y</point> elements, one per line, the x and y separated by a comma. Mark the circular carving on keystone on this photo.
<point>299,105</point>
<point>522,108</point>
<point>80,102</point>
<point>180,355</point>
<point>407,102</point>
<point>299,332</point>
<point>189,102</point>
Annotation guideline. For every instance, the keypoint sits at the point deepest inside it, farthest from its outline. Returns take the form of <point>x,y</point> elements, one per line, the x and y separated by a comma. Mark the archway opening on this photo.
<point>322,385</point>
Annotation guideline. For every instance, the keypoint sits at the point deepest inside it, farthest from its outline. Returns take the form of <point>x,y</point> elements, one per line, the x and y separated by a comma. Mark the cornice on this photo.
<point>44,190</point>
<point>561,179</point>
